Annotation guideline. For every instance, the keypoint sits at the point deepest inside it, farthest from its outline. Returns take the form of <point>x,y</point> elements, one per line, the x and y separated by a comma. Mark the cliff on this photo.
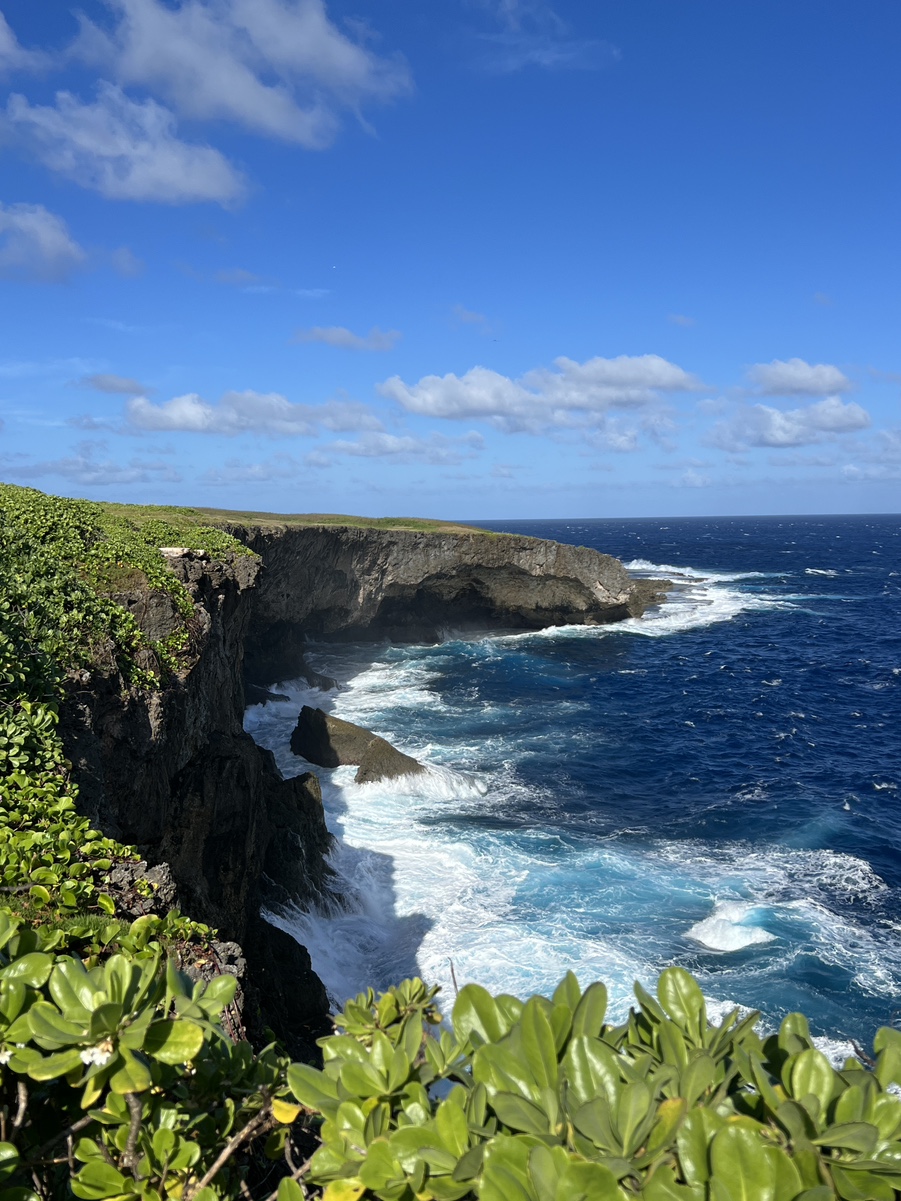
<point>346,582</point>
<point>172,771</point>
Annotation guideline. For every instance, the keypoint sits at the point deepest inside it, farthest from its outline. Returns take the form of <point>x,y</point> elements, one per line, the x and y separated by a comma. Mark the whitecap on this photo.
<point>728,928</point>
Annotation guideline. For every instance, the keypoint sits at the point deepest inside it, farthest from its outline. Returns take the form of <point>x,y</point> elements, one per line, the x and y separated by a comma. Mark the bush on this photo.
<point>546,1101</point>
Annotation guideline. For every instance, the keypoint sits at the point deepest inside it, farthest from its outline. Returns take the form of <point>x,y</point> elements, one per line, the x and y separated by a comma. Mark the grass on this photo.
<point>187,519</point>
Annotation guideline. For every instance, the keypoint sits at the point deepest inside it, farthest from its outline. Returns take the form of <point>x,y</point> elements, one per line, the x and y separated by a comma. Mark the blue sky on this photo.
<point>464,258</point>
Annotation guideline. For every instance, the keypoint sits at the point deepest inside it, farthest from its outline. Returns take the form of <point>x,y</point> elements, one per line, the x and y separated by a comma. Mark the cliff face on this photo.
<point>174,773</point>
<point>337,582</point>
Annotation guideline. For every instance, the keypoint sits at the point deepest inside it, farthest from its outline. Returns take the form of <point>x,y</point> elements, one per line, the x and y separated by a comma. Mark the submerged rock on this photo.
<point>332,742</point>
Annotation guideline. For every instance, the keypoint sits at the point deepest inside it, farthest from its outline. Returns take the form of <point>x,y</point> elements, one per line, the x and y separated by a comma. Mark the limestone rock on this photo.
<point>332,742</point>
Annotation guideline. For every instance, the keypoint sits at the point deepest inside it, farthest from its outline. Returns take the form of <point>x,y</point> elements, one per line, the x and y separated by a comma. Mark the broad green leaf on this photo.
<point>290,1190</point>
<point>476,1012</point>
<point>132,1075</point>
<point>812,1073</point>
<point>592,1068</point>
<point>505,1174</point>
<point>693,1142</point>
<point>683,1000</point>
<point>519,1114</point>
<point>538,1044</point>
<point>850,1136</point>
<point>860,1186</point>
<point>313,1088</point>
<point>697,1077</point>
<point>52,1030</point>
<point>568,992</point>
<point>97,1180</point>
<point>54,1066</point>
<point>739,1161</point>
<point>635,1105</point>
<point>173,1040</point>
<point>589,1182</point>
<point>33,969</point>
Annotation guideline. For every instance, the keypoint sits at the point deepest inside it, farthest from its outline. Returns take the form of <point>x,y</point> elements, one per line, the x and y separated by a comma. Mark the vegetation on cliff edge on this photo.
<point>123,1078</point>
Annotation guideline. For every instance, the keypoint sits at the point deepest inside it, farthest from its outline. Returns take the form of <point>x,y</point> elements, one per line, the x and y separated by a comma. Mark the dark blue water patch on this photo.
<point>718,785</point>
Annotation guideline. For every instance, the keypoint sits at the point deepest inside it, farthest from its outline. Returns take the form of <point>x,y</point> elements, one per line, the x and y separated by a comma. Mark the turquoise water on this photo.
<point>715,784</point>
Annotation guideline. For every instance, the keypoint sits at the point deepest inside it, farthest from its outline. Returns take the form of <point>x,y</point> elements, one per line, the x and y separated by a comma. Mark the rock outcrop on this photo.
<point>330,741</point>
<point>347,582</point>
<point>221,832</point>
<point>174,773</point>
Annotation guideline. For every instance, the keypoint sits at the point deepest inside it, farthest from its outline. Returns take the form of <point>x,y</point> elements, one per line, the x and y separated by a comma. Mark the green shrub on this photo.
<point>118,1080</point>
<point>546,1101</point>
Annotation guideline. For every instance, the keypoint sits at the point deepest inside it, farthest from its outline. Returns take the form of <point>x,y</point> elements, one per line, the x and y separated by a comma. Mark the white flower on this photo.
<point>5,1057</point>
<point>101,1054</point>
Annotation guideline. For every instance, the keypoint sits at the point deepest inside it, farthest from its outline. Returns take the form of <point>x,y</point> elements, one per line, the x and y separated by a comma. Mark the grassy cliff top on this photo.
<point>186,517</point>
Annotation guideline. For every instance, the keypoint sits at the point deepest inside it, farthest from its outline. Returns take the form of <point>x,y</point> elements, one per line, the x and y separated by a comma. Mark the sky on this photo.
<point>457,258</point>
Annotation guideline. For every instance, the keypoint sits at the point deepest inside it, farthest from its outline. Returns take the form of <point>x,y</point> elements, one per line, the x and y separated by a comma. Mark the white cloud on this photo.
<point>89,466</point>
<point>13,56</point>
<point>544,397</point>
<point>278,67</point>
<point>233,471</point>
<point>762,425</point>
<point>690,478</point>
<point>123,149</point>
<point>36,244</point>
<point>248,412</point>
<point>337,335</point>
<point>681,319</point>
<point>117,385</point>
<point>795,377</point>
<point>126,263</point>
<point>535,35</point>
<point>406,449</point>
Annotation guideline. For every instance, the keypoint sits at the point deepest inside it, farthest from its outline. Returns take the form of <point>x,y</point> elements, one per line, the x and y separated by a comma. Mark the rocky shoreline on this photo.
<point>174,773</point>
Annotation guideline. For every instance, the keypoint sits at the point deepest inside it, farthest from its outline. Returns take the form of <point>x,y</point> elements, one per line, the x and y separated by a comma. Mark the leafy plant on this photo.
<point>119,1080</point>
<point>544,1100</point>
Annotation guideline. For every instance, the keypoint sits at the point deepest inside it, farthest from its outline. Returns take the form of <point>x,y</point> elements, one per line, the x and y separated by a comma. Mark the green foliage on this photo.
<point>61,562</point>
<point>544,1100</point>
<point>118,1080</point>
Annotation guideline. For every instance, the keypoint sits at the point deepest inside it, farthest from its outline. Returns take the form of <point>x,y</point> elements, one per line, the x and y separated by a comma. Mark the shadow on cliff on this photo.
<point>354,933</point>
<point>357,938</point>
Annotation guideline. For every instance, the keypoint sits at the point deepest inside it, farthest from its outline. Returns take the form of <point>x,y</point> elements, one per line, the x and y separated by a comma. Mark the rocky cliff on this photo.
<point>173,771</point>
<point>345,582</point>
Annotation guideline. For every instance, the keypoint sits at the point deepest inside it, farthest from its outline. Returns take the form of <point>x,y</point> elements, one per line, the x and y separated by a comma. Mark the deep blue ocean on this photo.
<point>715,784</point>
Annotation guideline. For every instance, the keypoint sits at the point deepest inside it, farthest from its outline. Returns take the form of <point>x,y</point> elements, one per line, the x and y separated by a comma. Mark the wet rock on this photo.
<point>332,742</point>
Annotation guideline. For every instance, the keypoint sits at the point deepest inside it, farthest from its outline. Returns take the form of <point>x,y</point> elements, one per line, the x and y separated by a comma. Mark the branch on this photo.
<point>130,1156</point>
<point>253,1127</point>
<point>22,1091</point>
<point>67,1133</point>
<point>295,1175</point>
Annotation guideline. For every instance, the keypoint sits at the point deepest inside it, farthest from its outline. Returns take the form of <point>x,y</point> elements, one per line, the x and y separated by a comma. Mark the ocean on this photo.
<point>715,784</point>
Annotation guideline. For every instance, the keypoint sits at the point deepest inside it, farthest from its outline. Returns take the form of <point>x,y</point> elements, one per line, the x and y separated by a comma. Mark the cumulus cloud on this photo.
<point>337,335</point>
<point>116,385</point>
<point>89,465</point>
<point>36,244</point>
<point>278,67</point>
<point>236,471</point>
<point>762,425</point>
<point>14,56</point>
<point>267,413</point>
<point>404,448</point>
<point>123,149</point>
<point>544,397</point>
<point>795,377</point>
